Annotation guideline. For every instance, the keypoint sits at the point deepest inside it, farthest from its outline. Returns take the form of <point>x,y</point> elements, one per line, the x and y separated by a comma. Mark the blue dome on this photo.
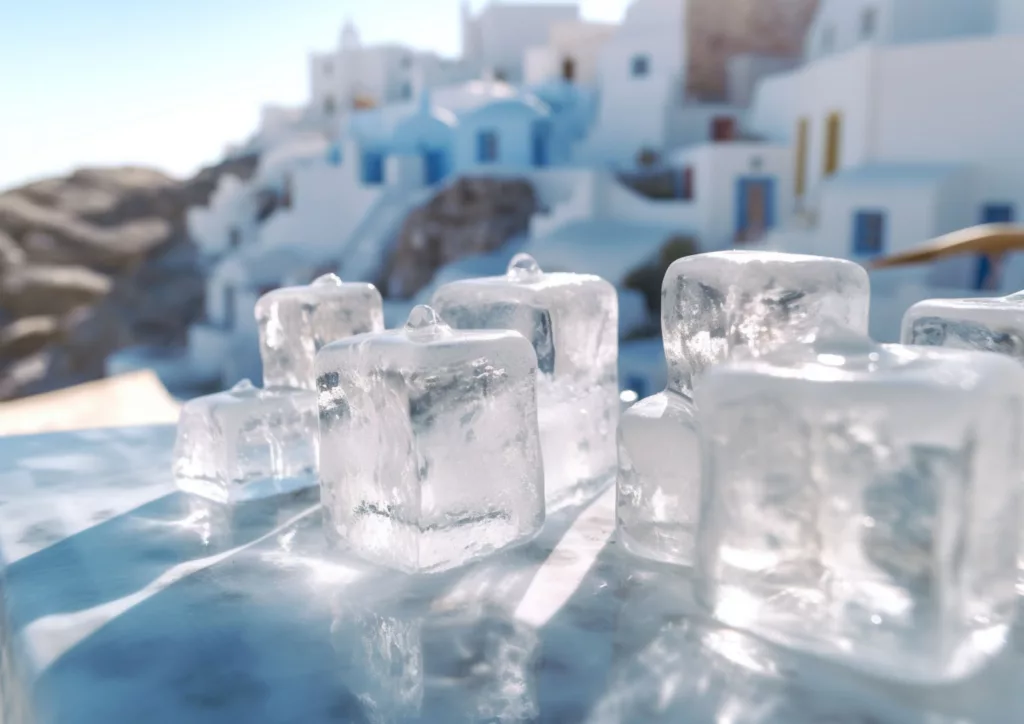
<point>526,105</point>
<point>429,127</point>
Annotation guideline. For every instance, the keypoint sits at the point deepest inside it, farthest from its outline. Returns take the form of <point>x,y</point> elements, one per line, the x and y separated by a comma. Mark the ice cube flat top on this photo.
<point>128,604</point>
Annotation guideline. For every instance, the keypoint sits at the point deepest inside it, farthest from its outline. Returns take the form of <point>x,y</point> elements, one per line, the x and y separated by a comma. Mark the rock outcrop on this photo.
<point>93,262</point>
<point>472,215</point>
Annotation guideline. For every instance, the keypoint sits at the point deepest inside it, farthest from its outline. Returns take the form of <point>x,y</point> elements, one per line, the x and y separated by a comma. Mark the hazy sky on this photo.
<point>168,84</point>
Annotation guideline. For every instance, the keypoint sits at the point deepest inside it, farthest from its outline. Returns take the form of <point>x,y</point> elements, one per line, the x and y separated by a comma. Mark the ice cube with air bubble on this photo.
<point>247,443</point>
<point>991,324</point>
<point>861,502</point>
<point>429,445</point>
<point>295,322</point>
<point>572,322</point>
<point>715,306</point>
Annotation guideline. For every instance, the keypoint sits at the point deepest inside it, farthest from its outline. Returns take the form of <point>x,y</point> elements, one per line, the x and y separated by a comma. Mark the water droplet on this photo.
<point>524,267</point>
<point>326,280</point>
<point>244,385</point>
<point>424,322</point>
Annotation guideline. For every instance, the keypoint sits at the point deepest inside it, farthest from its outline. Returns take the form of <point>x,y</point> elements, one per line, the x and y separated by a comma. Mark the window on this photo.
<point>800,183</point>
<point>406,91</point>
<point>286,192</point>
<point>487,147</point>
<point>329,105</point>
<point>997,214</point>
<point>568,69</point>
<point>723,128</point>
<point>406,61</point>
<point>687,190</point>
<point>868,233</point>
<point>868,23</point>
<point>373,167</point>
<point>229,307</point>
<point>833,136</point>
<point>234,237</point>
<point>328,67</point>
<point>828,40</point>
<point>640,66</point>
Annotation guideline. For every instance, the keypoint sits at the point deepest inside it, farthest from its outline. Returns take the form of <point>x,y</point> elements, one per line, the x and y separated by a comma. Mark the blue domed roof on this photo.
<point>429,127</point>
<point>526,104</point>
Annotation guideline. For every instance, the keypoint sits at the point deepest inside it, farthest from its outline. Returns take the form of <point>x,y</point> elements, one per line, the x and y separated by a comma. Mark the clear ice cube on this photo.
<point>572,322</point>
<point>725,304</point>
<point>715,305</point>
<point>987,324</point>
<point>658,495</point>
<point>430,454</point>
<point>295,322</point>
<point>247,443</point>
<point>861,502</point>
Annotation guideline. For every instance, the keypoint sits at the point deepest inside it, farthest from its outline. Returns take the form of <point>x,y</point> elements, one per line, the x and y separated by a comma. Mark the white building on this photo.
<point>496,40</point>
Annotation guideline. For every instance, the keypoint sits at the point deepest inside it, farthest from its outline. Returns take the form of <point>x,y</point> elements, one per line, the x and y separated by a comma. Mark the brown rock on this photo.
<point>28,335</point>
<point>471,216</point>
<point>33,289</point>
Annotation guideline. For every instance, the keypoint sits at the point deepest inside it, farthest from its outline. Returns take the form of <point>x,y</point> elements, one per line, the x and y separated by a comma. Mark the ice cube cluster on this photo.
<point>857,501</point>
<point>249,443</point>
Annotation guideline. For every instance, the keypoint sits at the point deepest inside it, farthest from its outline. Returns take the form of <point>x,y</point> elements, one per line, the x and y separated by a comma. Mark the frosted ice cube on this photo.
<point>658,494</point>
<point>861,502</point>
<point>295,322</point>
<point>572,321</point>
<point>430,454</point>
<point>728,303</point>
<point>247,443</point>
<point>716,305</point>
<point>988,324</point>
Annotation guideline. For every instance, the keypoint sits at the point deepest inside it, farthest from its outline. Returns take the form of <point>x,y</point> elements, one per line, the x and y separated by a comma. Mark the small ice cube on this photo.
<point>861,502</point>
<point>295,322</point>
<point>714,306</point>
<point>430,453</point>
<point>247,443</point>
<point>727,303</point>
<point>658,495</point>
<point>987,324</point>
<point>572,321</point>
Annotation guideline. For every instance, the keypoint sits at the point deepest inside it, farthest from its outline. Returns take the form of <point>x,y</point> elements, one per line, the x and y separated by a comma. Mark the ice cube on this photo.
<point>861,502</point>
<point>295,322</point>
<point>728,303</point>
<point>430,454</point>
<point>247,443</point>
<point>715,305</point>
<point>572,321</point>
<point>988,324</point>
<point>658,494</point>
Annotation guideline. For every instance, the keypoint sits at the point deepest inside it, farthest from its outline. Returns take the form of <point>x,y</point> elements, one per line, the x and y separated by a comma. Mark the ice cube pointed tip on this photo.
<point>326,280</point>
<point>524,267</point>
<point>425,323</point>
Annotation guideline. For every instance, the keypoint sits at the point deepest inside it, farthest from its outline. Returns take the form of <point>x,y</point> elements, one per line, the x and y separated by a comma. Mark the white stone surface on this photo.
<point>125,601</point>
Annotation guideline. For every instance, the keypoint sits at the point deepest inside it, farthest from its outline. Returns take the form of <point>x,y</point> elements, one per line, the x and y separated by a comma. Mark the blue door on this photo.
<point>540,144</point>
<point>984,273</point>
<point>373,167</point>
<point>435,165</point>
<point>755,207</point>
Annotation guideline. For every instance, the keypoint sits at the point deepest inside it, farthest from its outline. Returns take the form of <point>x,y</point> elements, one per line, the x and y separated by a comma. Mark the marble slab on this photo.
<point>126,601</point>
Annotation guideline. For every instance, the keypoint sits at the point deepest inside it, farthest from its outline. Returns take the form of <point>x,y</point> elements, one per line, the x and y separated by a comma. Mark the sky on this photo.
<point>170,84</point>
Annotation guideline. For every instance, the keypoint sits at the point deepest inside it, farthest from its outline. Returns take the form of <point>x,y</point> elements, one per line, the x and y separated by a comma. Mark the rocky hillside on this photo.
<point>472,215</point>
<point>93,262</point>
